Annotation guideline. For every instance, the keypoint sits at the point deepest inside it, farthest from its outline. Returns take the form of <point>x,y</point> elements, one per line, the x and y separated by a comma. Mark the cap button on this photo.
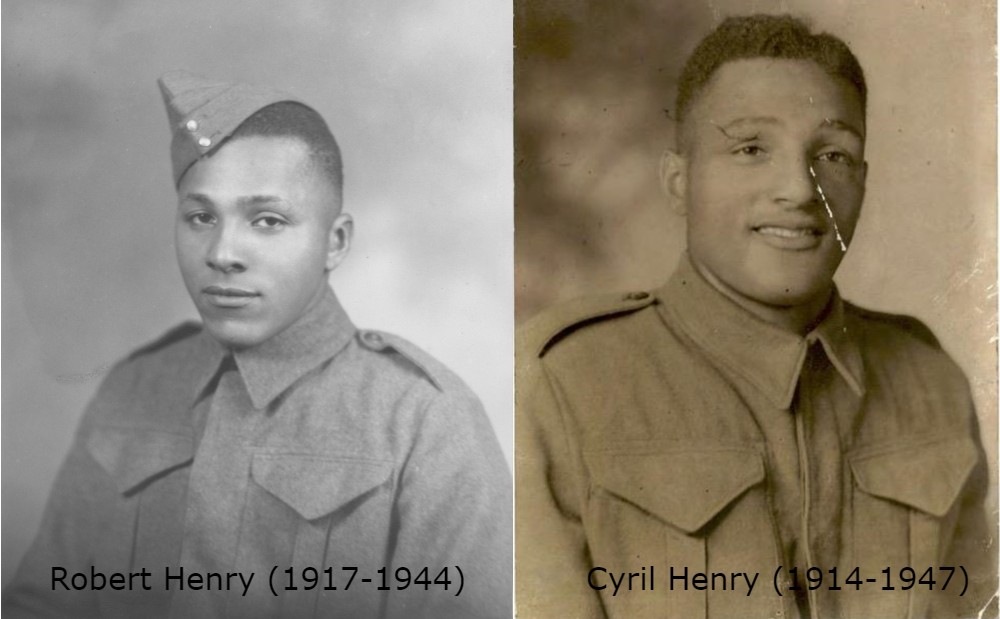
<point>192,125</point>
<point>206,142</point>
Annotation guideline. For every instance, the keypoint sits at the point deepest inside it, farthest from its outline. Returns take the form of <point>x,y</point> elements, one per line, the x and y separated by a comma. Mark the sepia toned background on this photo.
<point>419,97</point>
<point>594,91</point>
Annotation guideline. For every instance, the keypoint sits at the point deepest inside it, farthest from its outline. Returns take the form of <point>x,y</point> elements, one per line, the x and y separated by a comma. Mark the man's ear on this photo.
<point>341,231</point>
<point>673,180</point>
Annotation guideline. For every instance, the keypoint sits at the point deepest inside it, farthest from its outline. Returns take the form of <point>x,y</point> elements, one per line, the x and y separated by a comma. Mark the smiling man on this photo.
<point>744,420</point>
<point>272,461</point>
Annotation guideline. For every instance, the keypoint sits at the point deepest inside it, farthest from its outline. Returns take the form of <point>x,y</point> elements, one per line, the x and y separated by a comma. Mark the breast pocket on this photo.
<point>144,527</point>
<point>317,486</point>
<point>679,511</point>
<point>902,515</point>
<point>317,511</point>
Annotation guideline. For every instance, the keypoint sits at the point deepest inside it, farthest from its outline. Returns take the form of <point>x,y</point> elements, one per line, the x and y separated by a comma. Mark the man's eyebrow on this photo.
<point>261,200</point>
<point>836,123</point>
<point>241,202</point>
<point>200,198</point>
<point>736,124</point>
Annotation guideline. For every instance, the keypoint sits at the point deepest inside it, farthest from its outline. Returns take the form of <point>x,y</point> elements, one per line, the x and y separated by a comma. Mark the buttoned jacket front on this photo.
<point>362,452</point>
<point>639,446</point>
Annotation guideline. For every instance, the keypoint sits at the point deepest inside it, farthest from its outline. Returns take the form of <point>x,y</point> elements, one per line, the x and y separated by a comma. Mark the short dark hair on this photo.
<point>766,36</point>
<point>295,120</point>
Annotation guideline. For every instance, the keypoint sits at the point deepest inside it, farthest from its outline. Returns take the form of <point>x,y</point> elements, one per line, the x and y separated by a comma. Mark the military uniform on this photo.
<point>323,447</point>
<point>675,430</point>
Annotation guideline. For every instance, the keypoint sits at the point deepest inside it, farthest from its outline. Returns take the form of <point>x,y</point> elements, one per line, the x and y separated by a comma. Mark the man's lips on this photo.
<point>791,235</point>
<point>788,232</point>
<point>228,297</point>
<point>229,292</point>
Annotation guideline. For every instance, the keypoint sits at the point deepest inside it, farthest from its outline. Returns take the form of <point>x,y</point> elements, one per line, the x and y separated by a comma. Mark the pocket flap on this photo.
<point>684,488</point>
<point>927,476</point>
<point>317,485</point>
<point>132,456</point>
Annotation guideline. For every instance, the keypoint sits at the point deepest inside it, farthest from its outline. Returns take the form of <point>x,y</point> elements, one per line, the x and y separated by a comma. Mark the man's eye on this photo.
<point>749,150</point>
<point>836,157</point>
<point>269,222</point>
<point>201,219</point>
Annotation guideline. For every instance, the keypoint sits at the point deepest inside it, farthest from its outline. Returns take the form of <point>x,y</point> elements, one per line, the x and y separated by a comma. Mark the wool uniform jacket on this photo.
<point>332,454</point>
<point>673,434</point>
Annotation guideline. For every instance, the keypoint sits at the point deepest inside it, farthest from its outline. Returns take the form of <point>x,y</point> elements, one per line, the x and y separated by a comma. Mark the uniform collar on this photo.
<point>271,367</point>
<point>767,356</point>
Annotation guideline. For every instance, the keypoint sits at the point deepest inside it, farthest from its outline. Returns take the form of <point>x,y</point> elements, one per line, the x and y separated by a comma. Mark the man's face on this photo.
<point>775,177</point>
<point>253,237</point>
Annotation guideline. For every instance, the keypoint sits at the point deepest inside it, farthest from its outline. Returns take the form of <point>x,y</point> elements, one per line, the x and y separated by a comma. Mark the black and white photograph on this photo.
<point>258,309</point>
<point>755,269</point>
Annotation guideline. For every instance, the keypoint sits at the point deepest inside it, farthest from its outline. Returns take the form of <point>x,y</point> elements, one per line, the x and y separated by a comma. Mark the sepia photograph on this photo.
<point>258,309</point>
<point>755,269</point>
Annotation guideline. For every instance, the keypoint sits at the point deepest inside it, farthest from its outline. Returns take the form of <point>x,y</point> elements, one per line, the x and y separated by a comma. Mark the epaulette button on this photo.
<point>373,340</point>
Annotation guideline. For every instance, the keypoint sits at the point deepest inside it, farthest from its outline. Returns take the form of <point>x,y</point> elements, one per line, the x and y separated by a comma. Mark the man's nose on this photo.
<point>225,252</point>
<point>794,183</point>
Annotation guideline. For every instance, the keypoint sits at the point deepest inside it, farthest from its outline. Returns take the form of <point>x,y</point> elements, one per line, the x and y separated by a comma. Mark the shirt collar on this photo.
<point>271,367</point>
<point>767,356</point>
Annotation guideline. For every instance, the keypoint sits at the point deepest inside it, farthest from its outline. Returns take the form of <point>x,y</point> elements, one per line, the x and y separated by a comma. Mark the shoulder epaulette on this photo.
<point>432,370</point>
<point>176,334</point>
<point>541,332</point>
<point>902,322</point>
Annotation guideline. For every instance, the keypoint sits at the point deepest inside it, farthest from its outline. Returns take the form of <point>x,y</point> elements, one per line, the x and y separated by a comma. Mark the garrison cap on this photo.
<point>204,112</point>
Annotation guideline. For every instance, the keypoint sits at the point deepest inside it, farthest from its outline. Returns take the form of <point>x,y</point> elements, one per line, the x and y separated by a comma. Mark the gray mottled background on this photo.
<point>594,90</point>
<point>418,94</point>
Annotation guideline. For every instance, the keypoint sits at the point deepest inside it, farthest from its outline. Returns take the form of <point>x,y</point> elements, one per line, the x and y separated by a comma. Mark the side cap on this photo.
<point>204,112</point>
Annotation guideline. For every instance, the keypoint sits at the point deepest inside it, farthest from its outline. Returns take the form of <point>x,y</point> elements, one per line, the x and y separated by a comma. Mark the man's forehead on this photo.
<point>753,122</point>
<point>771,90</point>
<point>254,171</point>
<point>250,162</point>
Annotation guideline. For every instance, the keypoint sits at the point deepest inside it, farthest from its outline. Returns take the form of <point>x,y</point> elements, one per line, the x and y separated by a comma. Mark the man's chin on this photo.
<point>790,294</point>
<point>790,285</point>
<point>235,335</point>
<point>771,285</point>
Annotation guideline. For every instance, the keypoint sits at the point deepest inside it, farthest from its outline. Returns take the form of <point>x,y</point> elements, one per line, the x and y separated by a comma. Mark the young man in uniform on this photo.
<point>694,451</point>
<point>273,461</point>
